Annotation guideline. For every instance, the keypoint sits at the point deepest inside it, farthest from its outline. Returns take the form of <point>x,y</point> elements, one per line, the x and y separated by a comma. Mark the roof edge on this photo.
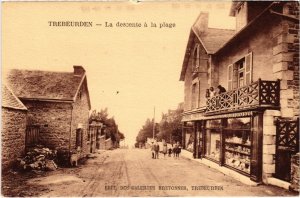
<point>17,99</point>
<point>46,99</point>
<point>184,64</point>
<point>77,91</point>
<point>199,38</point>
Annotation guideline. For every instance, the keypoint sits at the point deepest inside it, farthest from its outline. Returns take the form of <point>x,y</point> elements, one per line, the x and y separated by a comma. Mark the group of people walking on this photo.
<point>174,149</point>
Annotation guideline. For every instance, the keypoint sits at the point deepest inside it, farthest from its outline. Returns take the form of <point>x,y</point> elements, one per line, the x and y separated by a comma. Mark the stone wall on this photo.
<point>269,143</point>
<point>187,86</point>
<point>102,142</point>
<point>108,144</point>
<point>13,135</point>
<point>202,84</point>
<point>54,119</point>
<point>80,116</point>
<point>286,61</point>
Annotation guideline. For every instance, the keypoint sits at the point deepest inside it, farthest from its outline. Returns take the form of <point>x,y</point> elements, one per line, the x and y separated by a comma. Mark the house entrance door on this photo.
<point>32,135</point>
<point>287,144</point>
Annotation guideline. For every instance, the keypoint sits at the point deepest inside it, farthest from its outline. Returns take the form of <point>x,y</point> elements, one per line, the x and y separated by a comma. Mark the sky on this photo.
<point>129,70</point>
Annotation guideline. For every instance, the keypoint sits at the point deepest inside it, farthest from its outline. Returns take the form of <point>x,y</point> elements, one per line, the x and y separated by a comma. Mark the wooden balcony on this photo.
<point>261,93</point>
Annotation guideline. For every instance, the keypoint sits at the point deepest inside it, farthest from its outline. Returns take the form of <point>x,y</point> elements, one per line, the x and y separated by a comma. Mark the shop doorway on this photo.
<point>287,144</point>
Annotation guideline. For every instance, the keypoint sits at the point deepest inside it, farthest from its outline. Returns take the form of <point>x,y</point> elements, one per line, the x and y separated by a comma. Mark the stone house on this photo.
<point>14,115</point>
<point>251,130</point>
<point>58,106</point>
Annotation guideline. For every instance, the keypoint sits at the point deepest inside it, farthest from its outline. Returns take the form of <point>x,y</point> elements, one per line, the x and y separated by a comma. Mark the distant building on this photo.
<point>58,106</point>
<point>14,115</point>
<point>251,128</point>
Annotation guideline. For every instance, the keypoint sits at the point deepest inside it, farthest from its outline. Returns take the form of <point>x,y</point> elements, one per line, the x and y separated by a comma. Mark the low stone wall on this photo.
<point>102,142</point>
<point>108,144</point>
<point>13,135</point>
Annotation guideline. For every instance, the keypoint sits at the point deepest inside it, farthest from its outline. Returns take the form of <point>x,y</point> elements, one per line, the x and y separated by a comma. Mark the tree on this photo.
<point>146,131</point>
<point>111,128</point>
<point>169,128</point>
<point>170,125</point>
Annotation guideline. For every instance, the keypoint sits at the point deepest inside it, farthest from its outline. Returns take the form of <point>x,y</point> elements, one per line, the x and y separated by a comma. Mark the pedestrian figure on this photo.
<point>170,151</point>
<point>165,149</point>
<point>156,149</point>
<point>152,150</point>
<point>175,150</point>
<point>178,150</point>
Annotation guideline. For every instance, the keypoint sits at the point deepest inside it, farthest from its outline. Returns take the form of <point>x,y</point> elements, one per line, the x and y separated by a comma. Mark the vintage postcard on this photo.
<point>150,98</point>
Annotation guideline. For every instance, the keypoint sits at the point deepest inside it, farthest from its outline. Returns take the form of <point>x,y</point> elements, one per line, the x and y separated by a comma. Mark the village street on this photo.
<point>132,172</point>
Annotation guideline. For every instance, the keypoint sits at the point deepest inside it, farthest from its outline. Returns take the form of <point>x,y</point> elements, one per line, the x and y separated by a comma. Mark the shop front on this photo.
<point>231,140</point>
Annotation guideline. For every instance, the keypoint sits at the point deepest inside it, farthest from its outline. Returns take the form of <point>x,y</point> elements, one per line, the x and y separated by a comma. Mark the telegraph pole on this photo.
<point>153,130</point>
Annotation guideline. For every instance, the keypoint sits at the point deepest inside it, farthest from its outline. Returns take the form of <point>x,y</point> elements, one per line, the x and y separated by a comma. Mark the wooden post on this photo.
<point>183,135</point>
<point>259,91</point>
<point>195,126</point>
<point>256,153</point>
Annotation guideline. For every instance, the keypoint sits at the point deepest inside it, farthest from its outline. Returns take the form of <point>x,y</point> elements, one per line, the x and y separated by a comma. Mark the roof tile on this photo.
<point>213,38</point>
<point>43,84</point>
<point>9,100</point>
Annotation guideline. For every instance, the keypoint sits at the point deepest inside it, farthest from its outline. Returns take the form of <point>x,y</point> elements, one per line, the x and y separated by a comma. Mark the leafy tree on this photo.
<point>169,128</point>
<point>110,126</point>
<point>146,131</point>
<point>170,125</point>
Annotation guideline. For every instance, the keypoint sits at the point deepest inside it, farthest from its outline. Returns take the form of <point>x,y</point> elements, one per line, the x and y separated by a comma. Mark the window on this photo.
<point>238,143</point>
<point>240,73</point>
<point>196,60</point>
<point>79,137</point>
<point>213,138</point>
<point>194,95</point>
<point>80,94</point>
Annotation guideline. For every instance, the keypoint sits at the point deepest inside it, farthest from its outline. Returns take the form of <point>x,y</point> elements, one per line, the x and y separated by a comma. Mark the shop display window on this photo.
<point>213,138</point>
<point>238,143</point>
<point>190,142</point>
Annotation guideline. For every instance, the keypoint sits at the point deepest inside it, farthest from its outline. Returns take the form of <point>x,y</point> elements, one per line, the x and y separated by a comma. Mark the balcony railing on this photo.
<point>258,94</point>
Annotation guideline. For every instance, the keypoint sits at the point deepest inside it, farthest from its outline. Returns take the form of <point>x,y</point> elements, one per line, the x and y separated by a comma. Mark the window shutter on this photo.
<point>248,68</point>
<point>235,74</point>
<point>194,58</point>
<point>198,94</point>
<point>230,75</point>
<point>198,57</point>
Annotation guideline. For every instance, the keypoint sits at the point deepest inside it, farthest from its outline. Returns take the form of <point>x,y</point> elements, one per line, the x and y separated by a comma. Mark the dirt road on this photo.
<point>133,173</point>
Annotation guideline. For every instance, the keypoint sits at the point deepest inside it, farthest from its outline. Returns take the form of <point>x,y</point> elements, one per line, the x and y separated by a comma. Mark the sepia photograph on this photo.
<point>150,98</point>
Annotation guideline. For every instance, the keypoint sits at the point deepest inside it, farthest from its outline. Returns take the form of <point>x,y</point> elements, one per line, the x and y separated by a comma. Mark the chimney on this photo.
<point>202,22</point>
<point>78,70</point>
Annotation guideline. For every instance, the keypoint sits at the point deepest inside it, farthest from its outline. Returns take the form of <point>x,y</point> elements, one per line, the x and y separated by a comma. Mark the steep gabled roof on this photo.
<point>45,85</point>
<point>212,39</point>
<point>9,100</point>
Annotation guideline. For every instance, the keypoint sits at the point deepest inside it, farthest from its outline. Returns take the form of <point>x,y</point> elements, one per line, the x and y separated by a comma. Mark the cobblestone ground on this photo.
<point>132,172</point>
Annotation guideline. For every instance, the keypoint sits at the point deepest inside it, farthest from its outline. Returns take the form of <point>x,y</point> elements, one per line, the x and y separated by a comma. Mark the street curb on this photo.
<point>277,182</point>
<point>226,171</point>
